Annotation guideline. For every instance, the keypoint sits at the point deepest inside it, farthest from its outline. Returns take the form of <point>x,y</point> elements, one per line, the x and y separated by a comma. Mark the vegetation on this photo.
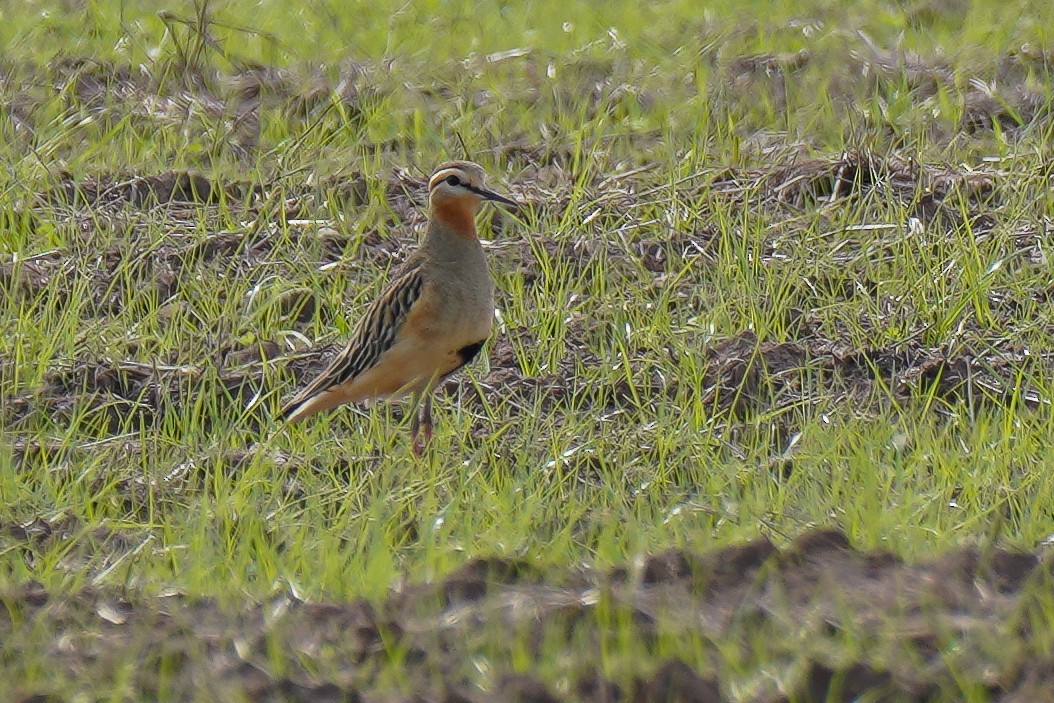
<point>777,268</point>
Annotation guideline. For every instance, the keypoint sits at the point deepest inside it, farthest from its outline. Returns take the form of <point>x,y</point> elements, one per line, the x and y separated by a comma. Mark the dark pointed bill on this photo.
<point>491,195</point>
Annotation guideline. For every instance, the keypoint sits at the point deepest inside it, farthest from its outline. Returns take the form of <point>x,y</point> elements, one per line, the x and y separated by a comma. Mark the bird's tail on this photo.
<point>291,412</point>
<point>304,406</point>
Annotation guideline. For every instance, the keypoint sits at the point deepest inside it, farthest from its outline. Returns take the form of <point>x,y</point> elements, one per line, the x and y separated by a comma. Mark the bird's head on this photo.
<point>461,185</point>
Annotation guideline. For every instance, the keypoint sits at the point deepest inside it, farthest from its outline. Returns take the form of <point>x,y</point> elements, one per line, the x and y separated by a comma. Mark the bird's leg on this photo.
<point>422,424</point>
<point>426,416</point>
<point>415,430</point>
<point>415,425</point>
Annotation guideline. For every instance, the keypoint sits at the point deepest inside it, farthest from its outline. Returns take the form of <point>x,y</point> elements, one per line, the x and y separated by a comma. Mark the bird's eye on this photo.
<point>453,180</point>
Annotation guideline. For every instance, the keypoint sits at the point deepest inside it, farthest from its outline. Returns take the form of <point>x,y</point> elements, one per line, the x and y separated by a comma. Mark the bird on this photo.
<point>432,318</point>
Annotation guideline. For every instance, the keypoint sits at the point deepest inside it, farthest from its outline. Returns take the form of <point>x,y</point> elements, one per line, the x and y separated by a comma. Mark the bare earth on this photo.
<point>815,589</point>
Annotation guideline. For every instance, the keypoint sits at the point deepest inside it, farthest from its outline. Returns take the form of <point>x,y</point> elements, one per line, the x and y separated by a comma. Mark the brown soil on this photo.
<point>792,606</point>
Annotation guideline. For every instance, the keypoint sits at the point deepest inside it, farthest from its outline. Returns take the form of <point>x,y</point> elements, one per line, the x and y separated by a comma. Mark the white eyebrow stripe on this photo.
<point>440,176</point>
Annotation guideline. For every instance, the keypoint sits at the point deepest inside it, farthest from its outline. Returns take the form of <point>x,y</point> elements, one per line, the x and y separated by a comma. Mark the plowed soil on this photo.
<point>802,598</point>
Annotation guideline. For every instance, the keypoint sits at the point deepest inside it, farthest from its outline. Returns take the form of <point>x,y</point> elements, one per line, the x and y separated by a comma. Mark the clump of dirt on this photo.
<point>788,610</point>
<point>29,277</point>
<point>137,191</point>
<point>746,374</point>
<point>928,193</point>
<point>113,395</point>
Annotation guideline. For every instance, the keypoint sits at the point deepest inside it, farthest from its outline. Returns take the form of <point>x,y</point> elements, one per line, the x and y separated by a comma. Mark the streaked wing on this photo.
<point>375,334</point>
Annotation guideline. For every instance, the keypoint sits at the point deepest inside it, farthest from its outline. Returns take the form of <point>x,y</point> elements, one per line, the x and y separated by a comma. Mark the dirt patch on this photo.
<point>137,191</point>
<point>929,192</point>
<point>111,396</point>
<point>746,374</point>
<point>790,605</point>
<point>28,277</point>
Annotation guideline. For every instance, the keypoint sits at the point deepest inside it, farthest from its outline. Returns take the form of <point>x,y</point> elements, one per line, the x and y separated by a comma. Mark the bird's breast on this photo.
<point>473,318</point>
<point>451,315</point>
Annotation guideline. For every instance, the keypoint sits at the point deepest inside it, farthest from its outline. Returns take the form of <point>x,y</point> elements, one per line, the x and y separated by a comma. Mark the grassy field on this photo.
<point>780,279</point>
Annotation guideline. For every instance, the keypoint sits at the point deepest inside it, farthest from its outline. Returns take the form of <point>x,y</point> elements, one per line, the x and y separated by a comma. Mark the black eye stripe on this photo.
<point>457,182</point>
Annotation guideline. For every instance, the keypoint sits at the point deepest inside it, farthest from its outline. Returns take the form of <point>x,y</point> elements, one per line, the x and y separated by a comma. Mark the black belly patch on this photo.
<point>468,352</point>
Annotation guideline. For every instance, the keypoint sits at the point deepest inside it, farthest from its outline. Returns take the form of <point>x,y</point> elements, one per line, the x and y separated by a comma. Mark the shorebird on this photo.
<point>431,319</point>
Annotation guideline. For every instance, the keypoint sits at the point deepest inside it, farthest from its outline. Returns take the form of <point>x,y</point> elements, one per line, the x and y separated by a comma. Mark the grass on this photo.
<point>709,137</point>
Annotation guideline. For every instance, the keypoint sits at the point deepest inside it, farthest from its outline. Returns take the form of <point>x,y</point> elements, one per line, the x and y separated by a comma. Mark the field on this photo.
<point>767,416</point>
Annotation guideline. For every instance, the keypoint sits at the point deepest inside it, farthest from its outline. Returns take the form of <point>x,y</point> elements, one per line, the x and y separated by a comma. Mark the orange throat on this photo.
<point>458,216</point>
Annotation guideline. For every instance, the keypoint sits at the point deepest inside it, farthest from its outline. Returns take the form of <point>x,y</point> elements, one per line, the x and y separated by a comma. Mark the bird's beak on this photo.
<point>491,195</point>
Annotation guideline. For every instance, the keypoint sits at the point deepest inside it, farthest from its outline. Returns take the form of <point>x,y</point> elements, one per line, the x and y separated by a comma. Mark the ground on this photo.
<point>765,416</point>
<point>817,591</point>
